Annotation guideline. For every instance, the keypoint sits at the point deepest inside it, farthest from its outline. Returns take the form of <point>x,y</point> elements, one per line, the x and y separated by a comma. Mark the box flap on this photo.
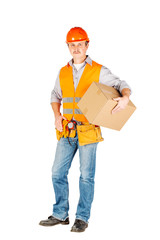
<point>109,92</point>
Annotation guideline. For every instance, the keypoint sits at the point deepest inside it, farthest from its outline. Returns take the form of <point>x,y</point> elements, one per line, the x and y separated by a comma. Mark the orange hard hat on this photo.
<point>77,34</point>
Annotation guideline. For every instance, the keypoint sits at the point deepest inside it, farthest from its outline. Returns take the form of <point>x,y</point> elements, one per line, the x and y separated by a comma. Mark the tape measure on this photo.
<point>72,125</point>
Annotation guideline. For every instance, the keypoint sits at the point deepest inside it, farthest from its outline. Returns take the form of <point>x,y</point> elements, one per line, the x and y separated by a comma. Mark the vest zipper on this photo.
<point>74,93</point>
<point>73,101</point>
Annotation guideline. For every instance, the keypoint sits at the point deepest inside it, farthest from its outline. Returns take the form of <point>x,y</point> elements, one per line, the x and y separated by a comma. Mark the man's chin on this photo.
<point>77,56</point>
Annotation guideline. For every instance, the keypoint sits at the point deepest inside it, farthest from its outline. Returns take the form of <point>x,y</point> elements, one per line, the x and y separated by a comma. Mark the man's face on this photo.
<point>78,49</point>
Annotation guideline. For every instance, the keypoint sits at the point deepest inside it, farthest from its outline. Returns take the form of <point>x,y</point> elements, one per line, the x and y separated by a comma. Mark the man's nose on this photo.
<point>76,49</point>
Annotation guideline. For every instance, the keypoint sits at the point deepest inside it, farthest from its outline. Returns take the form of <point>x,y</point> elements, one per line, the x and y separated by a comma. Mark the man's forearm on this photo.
<point>56,108</point>
<point>126,92</point>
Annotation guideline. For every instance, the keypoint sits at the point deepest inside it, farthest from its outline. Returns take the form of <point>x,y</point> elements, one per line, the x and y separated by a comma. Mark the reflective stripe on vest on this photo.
<point>67,111</point>
<point>77,111</point>
<point>70,111</point>
<point>72,97</point>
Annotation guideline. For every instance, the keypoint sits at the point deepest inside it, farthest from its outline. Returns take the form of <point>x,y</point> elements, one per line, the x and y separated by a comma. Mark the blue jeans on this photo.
<point>63,159</point>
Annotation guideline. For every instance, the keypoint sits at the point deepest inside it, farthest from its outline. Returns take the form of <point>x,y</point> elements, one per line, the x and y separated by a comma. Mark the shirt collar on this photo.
<point>87,60</point>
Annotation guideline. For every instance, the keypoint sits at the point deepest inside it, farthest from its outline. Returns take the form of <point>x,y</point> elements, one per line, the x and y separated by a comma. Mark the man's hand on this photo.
<point>122,103</point>
<point>58,122</point>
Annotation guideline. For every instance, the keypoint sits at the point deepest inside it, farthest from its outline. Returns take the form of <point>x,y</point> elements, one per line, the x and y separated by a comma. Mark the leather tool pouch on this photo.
<point>88,134</point>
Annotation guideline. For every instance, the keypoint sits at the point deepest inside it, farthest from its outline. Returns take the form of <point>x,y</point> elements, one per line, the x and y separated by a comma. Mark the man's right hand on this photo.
<point>58,122</point>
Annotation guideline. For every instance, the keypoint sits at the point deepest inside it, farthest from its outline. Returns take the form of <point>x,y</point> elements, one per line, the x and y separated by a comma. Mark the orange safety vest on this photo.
<point>72,97</point>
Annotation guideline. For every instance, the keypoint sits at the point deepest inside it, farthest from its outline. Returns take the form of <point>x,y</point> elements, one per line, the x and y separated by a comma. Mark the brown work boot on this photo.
<point>51,221</point>
<point>79,226</point>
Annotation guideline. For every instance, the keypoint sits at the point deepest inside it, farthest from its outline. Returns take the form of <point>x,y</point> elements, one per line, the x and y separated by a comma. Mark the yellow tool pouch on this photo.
<point>88,134</point>
<point>66,132</point>
<point>59,134</point>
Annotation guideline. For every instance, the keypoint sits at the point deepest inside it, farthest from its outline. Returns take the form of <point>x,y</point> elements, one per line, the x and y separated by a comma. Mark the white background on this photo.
<point>123,37</point>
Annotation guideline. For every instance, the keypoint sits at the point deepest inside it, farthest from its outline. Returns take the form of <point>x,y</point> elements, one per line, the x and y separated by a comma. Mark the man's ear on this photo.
<point>87,44</point>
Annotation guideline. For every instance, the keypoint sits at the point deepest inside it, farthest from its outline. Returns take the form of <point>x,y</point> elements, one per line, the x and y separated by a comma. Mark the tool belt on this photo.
<point>87,133</point>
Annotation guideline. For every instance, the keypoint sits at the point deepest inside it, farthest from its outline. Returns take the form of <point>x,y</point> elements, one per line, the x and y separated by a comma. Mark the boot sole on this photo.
<point>50,225</point>
<point>78,230</point>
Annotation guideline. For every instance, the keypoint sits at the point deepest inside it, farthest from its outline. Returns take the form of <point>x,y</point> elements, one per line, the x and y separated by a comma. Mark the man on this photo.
<point>72,82</point>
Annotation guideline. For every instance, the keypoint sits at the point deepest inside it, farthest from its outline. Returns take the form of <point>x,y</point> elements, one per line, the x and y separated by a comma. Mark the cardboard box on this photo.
<point>97,104</point>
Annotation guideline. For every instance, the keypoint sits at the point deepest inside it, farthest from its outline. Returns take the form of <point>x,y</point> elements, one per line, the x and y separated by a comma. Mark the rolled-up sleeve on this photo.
<point>109,79</point>
<point>56,94</point>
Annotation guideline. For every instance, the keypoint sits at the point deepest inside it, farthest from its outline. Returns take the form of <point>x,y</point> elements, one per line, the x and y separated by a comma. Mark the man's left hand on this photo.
<point>122,103</point>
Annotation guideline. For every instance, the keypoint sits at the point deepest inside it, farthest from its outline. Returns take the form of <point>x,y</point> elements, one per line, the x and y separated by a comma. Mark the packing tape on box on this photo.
<point>106,91</point>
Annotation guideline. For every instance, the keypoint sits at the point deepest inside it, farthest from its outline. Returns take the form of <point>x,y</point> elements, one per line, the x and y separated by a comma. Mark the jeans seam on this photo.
<point>93,163</point>
<point>94,172</point>
<point>67,174</point>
